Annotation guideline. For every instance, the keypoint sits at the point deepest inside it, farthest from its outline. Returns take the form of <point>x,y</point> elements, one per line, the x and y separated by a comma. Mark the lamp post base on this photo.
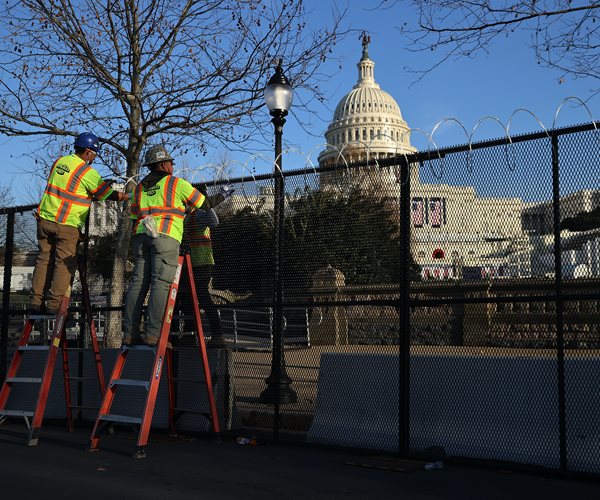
<point>287,395</point>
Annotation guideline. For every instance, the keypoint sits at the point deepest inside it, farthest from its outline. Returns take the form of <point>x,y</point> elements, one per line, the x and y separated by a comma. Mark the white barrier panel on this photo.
<point>490,407</point>
<point>357,401</point>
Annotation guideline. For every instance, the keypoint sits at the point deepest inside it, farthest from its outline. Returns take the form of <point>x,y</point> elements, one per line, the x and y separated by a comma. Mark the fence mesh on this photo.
<point>503,343</point>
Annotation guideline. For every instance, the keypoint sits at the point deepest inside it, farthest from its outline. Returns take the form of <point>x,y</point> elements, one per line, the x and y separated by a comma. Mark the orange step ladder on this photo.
<point>162,356</point>
<point>58,340</point>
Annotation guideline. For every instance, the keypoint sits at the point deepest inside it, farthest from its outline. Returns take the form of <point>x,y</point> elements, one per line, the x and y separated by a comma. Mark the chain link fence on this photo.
<point>431,304</point>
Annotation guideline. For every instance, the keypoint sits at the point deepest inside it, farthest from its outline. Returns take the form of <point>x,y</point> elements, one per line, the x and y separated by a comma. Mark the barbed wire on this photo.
<point>347,152</point>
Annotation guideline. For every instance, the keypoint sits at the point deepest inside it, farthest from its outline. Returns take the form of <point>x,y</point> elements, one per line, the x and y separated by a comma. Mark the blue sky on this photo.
<point>493,84</point>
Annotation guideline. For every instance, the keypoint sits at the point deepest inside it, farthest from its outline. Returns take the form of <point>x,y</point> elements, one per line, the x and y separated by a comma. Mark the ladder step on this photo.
<point>16,413</point>
<point>24,380</point>
<point>121,418</point>
<point>84,407</point>
<point>130,382</point>
<point>80,379</point>
<point>41,316</point>
<point>140,347</point>
<point>34,348</point>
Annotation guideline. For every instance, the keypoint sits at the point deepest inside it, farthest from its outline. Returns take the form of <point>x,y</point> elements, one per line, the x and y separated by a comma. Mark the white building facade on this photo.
<point>446,236</point>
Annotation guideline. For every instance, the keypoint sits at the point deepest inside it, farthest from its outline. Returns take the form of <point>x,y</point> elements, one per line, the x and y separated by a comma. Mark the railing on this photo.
<point>253,328</point>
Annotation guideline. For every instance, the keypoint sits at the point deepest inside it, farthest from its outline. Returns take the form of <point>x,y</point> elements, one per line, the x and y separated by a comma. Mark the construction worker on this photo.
<point>158,206</point>
<point>61,214</point>
<point>196,236</point>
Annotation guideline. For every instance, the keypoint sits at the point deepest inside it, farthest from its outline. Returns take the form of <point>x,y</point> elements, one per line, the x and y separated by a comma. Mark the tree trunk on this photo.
<point>118,284</point>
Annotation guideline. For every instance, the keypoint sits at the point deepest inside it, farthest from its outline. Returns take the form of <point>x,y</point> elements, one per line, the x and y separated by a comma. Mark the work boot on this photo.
<point>135,339</point>
<point>153,341</point>
<point>39,310</point>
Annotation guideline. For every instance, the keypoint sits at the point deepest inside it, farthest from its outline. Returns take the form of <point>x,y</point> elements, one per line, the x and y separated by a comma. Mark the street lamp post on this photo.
<point>278,97</point>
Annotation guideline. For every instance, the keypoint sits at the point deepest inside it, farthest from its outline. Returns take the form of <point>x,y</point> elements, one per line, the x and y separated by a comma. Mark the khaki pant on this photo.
<point>55,264</point>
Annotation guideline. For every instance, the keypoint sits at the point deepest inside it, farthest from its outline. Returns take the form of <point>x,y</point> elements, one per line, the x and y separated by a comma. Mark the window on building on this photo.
<point>438,253</point>
<point>364,134</point>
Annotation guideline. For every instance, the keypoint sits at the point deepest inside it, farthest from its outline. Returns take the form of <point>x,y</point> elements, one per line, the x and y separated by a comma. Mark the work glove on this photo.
<point>149,224</point>
<point>226,191</point>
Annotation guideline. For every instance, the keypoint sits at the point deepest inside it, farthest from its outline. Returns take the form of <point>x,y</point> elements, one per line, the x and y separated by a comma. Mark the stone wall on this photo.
<point>502,324</point>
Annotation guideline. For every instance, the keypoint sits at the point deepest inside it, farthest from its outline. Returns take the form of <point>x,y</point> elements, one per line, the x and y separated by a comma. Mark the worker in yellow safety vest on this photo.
<point>158,205</point>
<point>197,237</point>
<point>61,215</point>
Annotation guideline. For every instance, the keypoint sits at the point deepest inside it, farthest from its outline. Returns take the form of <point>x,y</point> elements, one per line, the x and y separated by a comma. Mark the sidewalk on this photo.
<point>187,467</point>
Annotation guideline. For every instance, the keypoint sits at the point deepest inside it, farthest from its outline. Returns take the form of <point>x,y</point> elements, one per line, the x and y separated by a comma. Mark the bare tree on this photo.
<point>186,72</point>
<point>6,195</point>
<point>564,34</point>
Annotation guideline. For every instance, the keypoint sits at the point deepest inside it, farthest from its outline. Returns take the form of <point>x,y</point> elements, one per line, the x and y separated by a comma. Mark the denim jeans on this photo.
<point>155,264</point>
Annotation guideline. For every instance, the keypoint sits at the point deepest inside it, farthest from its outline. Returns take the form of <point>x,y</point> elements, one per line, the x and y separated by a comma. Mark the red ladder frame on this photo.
<point>163,356</point>
<point>57,340</point>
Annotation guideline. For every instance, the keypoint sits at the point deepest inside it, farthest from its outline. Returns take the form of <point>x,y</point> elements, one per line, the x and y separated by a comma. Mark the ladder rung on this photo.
<point>41,316</point>
<point>80,379</point>
<point>16,413</point>
<point>24,380</point>
<point>140,347</point>
<point>128,381</point>
<point>34,348</point>
<point>84,407</point>
<point>121,418</point>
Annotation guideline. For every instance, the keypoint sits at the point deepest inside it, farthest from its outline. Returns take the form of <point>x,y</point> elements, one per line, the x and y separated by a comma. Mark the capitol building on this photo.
<point>368,124</point>
<point>455,232</point>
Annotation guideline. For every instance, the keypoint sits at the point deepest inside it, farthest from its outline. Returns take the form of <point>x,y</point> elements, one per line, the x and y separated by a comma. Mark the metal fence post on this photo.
<point>235,329</point>
<point>8,264</point>
<point>560,341</point>
<point>404,312</point>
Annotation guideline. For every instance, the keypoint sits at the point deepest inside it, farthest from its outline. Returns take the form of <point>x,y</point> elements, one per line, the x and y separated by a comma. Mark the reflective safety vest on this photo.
<point>71,187</point>
<point>165,201</point>
<point>197,238</point>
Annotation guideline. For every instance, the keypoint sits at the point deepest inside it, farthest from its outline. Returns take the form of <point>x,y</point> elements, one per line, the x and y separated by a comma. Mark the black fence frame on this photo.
<point>405,301</point>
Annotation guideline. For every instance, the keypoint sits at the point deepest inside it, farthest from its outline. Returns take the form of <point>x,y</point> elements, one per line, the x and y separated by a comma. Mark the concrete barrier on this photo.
<point>491,407</point>
<point>357,401</point>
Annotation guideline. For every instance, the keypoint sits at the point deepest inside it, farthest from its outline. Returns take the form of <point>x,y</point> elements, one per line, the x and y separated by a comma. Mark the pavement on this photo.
<point>203,467</point>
